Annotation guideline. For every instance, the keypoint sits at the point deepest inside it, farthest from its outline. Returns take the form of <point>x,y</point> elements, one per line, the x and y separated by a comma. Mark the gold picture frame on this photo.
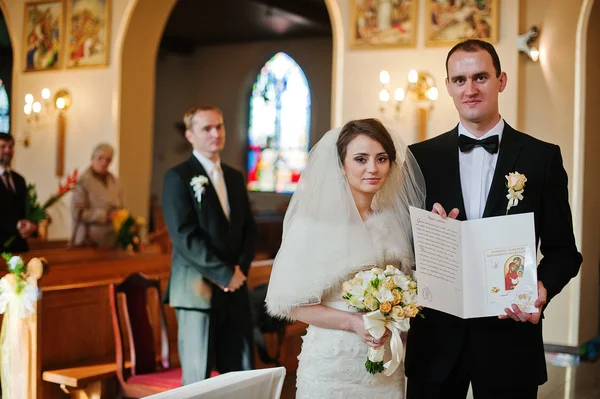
<point>42,35</point>
<point>88,33</point>
<point>447,24</point>
<point>383,24</point>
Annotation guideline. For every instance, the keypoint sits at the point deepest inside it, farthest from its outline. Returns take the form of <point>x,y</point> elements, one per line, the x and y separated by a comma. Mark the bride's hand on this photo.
<point>358,326</point>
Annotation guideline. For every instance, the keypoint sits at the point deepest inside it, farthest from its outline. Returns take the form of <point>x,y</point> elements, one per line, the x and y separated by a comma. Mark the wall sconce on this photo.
<point>34,113</point>
<point>38,114</point>
<point>525,40</point>
<point>421,88</point>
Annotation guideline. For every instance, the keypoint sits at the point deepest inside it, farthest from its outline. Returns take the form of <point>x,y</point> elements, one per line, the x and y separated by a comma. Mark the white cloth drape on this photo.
<point>253,384</point>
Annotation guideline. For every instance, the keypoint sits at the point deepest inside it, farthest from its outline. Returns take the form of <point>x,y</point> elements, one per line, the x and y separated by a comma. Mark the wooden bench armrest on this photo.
<point>80,377</point>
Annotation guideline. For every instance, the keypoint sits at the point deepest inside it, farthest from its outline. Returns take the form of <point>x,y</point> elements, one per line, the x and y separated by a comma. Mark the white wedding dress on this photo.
<point>332,362</point>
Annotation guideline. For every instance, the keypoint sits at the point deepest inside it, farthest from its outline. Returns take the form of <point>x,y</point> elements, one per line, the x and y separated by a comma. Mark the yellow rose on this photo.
<point>389,284</point>
<point>371,303</point>
<point>397,297</point>
<point>411,310</point>
<point>516,181</point>
<point>397,312</point>
<point>385,307</point>
<point>119,218</point>
<point>346,286</point>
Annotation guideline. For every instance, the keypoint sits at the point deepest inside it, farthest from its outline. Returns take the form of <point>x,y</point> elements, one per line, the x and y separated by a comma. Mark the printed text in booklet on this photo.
<point>475,268</point>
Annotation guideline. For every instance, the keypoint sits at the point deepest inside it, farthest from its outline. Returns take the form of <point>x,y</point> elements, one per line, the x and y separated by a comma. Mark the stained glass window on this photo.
<point>4,109</point>
<point>279,131</point>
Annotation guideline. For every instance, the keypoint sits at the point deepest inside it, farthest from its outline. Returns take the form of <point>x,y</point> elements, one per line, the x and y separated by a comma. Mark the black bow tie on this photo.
<point>490,144</point>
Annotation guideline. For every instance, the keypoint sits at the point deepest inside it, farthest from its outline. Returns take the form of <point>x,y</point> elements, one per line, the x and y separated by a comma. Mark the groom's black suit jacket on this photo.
<point>12,209</point>
<point>496,348</point>
<point>205,244</point>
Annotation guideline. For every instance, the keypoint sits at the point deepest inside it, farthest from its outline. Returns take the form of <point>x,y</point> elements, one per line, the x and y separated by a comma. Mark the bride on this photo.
<point>349,212</point>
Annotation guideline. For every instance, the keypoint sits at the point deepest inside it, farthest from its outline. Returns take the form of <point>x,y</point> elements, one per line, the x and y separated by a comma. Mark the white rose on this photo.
<point>384,295</point>
<point>402,282</point>
<point>15,262</point>
<point>516,181</point>
<point>407,298</point>
<point>356,290</point>
<point>357,302</point>
<point>371,303</point>
<point>390,270</point>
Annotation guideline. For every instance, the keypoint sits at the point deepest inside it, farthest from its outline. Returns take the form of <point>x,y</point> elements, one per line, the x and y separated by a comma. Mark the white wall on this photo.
<point>92,117</point>
<point>223,76</point>
<point>361,75</point>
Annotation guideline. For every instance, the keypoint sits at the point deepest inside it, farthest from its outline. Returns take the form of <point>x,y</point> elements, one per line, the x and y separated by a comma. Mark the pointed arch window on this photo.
<point>4,110</point>
<point>279,126</point>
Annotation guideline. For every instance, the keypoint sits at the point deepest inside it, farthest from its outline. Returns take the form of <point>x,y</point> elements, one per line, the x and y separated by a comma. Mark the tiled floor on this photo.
<point>571,382</point>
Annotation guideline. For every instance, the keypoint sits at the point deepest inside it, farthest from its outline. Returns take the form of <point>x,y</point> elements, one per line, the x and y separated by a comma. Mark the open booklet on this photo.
<point>475,268</point>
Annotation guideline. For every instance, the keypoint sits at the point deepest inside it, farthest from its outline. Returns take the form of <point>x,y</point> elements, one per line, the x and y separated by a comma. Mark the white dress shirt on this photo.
<point>477,171</point>
<point>217,179</point>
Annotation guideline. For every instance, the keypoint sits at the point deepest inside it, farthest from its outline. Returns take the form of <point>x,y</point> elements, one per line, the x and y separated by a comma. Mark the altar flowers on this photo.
<point>34,212</point>
<point>19,293</point>
<point>128,230</point>
<point>388,298</point>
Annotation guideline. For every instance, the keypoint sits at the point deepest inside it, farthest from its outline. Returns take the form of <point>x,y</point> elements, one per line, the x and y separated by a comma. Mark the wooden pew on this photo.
<point>75,344</point>
<point>75,351</point>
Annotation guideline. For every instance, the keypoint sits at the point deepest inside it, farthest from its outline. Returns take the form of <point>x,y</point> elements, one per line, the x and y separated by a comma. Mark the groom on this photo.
<point>207,212</point>
<point>465,171</point>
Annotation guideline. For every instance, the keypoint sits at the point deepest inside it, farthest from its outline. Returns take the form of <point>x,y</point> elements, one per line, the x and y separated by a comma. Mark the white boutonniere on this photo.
<point>515,182</point>
<point>198,183</point>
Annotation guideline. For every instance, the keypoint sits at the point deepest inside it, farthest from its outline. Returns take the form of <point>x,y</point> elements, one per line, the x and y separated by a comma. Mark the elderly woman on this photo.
<point>95,200</point>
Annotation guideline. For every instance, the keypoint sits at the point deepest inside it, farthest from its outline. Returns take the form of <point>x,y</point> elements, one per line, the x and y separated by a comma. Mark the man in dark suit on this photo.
<point>13,196</point>
<point>207,212</point>
<point>465,171</point>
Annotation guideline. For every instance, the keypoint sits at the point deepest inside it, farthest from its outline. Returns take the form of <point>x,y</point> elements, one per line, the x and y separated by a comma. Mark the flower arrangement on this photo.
<point>388,299</point>
<point>19,286</point>
<point>34,212</point>
<point>515,182</point>
<point>18,295</point>
<point>128,229</point>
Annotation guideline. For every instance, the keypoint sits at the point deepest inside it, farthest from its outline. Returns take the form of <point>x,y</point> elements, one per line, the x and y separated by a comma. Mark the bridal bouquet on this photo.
<point>34,212</point>
<point>128,229</point>
<point>388,298</point>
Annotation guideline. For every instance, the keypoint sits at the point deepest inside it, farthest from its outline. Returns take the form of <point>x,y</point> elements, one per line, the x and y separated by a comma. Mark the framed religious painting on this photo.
<point>383,24</point>
<point>43,30</point>
<point>88,33</point>
<point>450,21</point>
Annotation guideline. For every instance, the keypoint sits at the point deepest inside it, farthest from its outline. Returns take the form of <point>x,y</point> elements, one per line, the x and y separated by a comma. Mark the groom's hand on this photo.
<point>438,209</point>
<point>238,279</point>
<point>533,318</point>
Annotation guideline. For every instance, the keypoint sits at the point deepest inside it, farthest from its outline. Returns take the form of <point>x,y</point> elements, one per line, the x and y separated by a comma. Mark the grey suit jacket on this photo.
<point>206,246</point>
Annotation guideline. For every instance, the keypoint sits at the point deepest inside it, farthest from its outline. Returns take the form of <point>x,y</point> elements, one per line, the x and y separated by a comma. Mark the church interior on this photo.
<point>151,60</point>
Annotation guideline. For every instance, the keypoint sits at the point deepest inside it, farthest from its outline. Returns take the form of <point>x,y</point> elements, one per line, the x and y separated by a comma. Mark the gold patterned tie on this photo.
<point>219,183</point>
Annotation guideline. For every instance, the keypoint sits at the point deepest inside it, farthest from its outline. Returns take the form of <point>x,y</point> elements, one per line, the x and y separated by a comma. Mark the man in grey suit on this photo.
<point>208,215</point>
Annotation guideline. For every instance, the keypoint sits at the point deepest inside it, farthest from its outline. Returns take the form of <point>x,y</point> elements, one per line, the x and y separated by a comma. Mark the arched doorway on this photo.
<point>587,162</point>
<point>141,36</point>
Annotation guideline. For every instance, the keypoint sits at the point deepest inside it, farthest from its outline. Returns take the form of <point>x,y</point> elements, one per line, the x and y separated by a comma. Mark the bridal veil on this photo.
<point>324,238</point>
